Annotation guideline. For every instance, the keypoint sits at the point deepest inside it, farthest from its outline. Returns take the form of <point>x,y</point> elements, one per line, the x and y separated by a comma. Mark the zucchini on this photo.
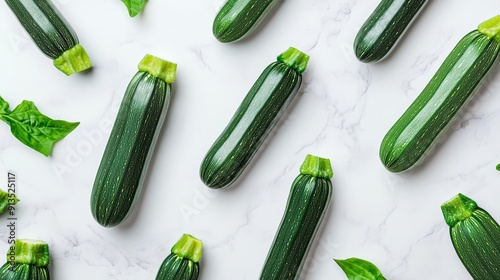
<point>308,201</point>
<point>132,140</point>
<point>52,34</point>
<point>236,19</point>
<point>381,32</point>
<point>27,259</point>
<point>7,200</point>
<point>183,261</point>
<point>475,236</point>
<point>258,113</point>
<point>454,84</point>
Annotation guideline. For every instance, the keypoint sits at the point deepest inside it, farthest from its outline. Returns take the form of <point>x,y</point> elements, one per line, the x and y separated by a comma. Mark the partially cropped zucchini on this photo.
<point>52,34</point>
<point>27,259</point>
<point>238,18</point>
<point>475,236</point>
<point>454,84</point>
<point>384,27</point>
<point>131,143</point>
<point>308,201</point>
<point>258,113</point>
<point>183,261</point>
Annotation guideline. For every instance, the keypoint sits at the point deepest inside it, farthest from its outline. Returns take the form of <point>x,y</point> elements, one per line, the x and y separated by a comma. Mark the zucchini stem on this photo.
<point>160,68</point>
<point>295,59</point>
<point>188,247</point>
<point>31,252</point>
<point>491,28</point>
<point>458,209</point>
<point>73,60</point>
<point>317,167</point>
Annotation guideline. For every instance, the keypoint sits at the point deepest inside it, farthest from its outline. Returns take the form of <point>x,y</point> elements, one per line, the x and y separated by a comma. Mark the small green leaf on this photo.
<point>4,107</point>
<point>358,269</point>
<point>498,167</point>
<point>134,6</point>
<point>36,130</point>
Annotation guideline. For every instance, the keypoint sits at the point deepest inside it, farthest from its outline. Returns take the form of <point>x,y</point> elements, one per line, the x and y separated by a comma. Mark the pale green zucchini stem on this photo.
<point>491,28</point>
<point>31,252</point>
<point>295,59</point>
<point>160,68</point>
<point>458,209</point>
<point>317,167</point>
<point>188,247</point>
<point>73,60</point>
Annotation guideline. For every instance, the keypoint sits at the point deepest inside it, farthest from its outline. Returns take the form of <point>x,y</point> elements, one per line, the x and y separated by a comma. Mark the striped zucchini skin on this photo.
<point>384,28</point>
<point>43,22</point>
<point>238,18</point>
<point>177,268</point>
<point>23,272</point>
<point>306,206</point>
<point>476,239</point>
<point>129,149</point>
<point>258,113</point>
<point>450,89</point>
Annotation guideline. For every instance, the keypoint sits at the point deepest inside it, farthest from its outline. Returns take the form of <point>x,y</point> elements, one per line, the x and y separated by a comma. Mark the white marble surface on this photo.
<point>343,110</point>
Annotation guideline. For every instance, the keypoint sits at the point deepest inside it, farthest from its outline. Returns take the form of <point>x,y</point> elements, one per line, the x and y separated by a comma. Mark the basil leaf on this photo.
<point>358,269</point>
<point>134,6</point>
<point>34,129</point>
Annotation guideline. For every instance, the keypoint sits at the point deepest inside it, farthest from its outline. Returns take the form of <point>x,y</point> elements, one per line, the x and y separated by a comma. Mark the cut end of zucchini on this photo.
<point>73,60</point>
<point>160,68</point>
<point>294,59</point>
<point>188,247</point>
<point>30,251</point>
<point>458,209</point>
<point>7,199</point>
<point>491,28</point>
<point>317,167</point>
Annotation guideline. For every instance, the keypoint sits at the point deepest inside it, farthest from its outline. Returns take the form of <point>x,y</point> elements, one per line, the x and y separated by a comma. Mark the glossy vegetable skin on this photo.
<point>384,28</point>
<point>238,18</point>
<point>131,144</point>
<point>254,119</point>
<point>416,132</point>
<point>307,203</point>
<point>183,261</point>
<point>475,235</point>
<point>52,34</point>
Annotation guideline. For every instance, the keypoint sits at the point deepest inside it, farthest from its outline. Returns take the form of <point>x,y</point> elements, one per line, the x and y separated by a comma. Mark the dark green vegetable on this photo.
<point>308,201</point>
<point>33,128</point>
<point>52,34</point>
<point>357,269</point>
<point>238,18</point>
<point>475,236</point>
<point>27,259</point>
<point>258,113</point>
<point>134,7</point>
<point>384,27</point>
<point>447,93</point>
<point>131,143</point>
<point>183,261</point>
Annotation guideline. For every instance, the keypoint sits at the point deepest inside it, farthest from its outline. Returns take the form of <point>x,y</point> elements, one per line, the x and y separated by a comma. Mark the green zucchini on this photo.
<point>308,201</point>
<point>452,87</point>
<point>380,33</point>
<point>52,34</point>
<point>132,140</point>
<point>475,236</point>
<point>183,261</point>
<point>27,259</point>
<point>258,113</point>
<point>7,199</point>
<point>238,18</point>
